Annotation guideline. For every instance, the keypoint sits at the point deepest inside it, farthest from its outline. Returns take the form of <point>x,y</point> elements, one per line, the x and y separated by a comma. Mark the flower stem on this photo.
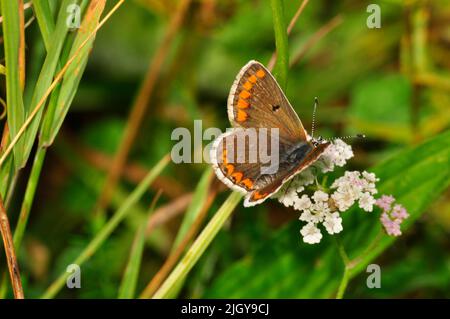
<point>343,285</point>
<point>346,276</point>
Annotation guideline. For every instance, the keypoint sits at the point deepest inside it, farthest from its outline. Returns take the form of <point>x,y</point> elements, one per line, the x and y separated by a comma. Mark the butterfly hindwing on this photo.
<point>237,163</point>
<point>260,195</point>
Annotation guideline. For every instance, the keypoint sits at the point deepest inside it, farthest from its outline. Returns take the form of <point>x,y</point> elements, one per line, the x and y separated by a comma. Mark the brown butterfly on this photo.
<point>256,104</point>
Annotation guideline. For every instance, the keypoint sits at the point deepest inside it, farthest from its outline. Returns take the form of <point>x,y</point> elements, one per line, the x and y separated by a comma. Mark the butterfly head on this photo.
<point>318,141</point>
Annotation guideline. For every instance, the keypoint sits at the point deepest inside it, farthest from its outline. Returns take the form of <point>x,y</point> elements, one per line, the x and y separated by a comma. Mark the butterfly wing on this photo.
<point>256,100</point>
<point>260,195</point>
<point>231,156</point>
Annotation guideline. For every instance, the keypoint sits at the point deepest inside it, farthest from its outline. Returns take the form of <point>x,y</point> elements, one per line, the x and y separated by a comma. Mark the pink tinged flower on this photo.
<point>311,234</point>
<point>391,219</point>
<point>399,212</point>
<point>385,202</point>
<point>391,227</point>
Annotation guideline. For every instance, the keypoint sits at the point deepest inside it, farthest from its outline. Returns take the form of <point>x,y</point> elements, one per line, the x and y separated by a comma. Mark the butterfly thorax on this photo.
<point>288,161</point>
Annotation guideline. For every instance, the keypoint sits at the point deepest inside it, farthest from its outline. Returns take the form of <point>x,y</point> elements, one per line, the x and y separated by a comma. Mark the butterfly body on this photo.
<point>258,106</point>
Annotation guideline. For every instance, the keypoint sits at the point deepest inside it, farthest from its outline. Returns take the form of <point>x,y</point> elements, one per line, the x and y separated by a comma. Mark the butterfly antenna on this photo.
<point>316,103</point>
<point>346,137</point>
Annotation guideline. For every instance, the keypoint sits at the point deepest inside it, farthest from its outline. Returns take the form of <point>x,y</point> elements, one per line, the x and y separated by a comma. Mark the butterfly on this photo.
<point>257,103</point>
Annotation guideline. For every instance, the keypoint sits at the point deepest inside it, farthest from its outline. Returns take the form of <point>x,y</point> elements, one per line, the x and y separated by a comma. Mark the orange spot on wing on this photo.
<point>242,104</point>
<point>237,176</point>
<point>244,94</point>
<point>229,168</point>
<point>248,86</point>
<point>247,183</point>
<point>258,195</point>
<point>252,78</point>
<point>260,73</point>
<point>241,116</point>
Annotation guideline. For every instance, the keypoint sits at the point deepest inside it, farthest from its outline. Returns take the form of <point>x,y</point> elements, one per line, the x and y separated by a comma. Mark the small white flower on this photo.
<point>320,196</point>
<point>366,202</point>
<point>311,234</point>
<point>333,223</point>
<point>306,216</point>
<point>343,201</point>
<point>288,198</point>
<point>303,203</point>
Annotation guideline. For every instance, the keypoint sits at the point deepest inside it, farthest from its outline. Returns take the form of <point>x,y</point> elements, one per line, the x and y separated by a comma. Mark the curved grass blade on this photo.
<point>128,286</point>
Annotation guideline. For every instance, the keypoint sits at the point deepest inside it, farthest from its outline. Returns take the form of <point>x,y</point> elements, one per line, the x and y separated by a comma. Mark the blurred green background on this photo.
<point>391,83</point>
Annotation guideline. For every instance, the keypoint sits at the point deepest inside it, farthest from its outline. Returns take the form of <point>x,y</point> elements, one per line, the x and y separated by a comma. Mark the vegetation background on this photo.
<point>96,188</point>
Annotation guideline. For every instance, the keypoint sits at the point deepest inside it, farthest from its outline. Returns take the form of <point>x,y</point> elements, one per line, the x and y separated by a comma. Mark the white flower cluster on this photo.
<point>321,207</point>
<point>317,212</point>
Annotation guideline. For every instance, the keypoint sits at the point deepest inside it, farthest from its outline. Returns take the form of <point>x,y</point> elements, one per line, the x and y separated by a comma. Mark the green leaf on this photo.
<point>128,286</point>
<point>14,99</point>
<point>285,267</point>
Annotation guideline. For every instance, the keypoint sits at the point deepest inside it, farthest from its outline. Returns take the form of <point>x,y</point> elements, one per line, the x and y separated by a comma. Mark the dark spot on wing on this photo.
<point>275,108</point>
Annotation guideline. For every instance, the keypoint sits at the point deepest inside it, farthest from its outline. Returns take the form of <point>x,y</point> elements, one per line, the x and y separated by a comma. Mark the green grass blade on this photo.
<point>45,21</point>
<point>169,288</point>
<point>56,112</point>
<point>28,197</point>
<point>110,226</point>
<point>198,200</point>
<point>281,41</point>
<point>46,75</point>
<point>127,288</point>
<point>14,99</point>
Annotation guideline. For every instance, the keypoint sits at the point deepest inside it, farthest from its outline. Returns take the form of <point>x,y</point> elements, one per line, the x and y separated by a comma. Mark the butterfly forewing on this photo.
<point>256,100</point>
